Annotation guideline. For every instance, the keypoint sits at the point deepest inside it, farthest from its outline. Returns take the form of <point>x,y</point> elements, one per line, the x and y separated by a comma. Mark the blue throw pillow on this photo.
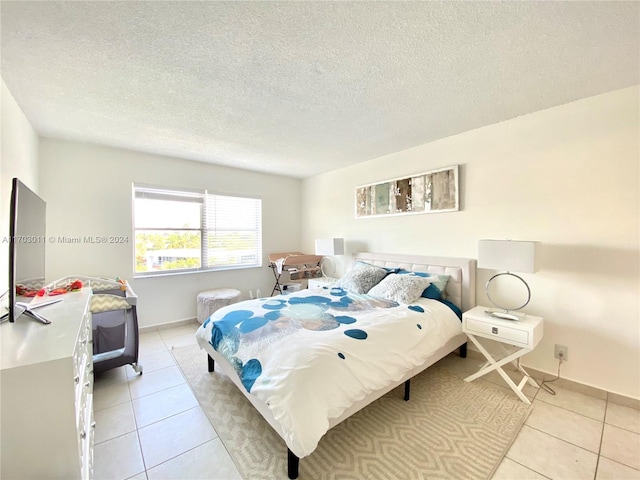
<point>402,271</point>
<point>432,292</point>
<point>453,307</point>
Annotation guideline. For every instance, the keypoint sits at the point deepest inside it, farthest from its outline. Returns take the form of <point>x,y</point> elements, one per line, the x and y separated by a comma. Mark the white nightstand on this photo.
<point>522,334</point>
<point>321,282</point>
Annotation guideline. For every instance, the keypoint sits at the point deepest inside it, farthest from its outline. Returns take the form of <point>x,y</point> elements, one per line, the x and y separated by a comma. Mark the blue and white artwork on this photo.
<point>427,192</point>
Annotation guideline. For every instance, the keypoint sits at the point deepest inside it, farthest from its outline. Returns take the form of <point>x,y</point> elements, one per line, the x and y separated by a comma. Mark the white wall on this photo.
<point>88,189</point>
<point>567,177</point>
<point>18,158</point>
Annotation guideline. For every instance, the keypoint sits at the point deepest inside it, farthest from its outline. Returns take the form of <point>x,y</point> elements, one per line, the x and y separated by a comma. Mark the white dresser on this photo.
<point>46,387</point>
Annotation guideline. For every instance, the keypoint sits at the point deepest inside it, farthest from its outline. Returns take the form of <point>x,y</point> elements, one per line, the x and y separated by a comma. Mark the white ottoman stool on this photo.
<point>211,300</point>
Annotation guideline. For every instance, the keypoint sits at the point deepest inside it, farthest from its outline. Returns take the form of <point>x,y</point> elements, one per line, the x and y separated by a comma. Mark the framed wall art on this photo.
<point>428,192</point>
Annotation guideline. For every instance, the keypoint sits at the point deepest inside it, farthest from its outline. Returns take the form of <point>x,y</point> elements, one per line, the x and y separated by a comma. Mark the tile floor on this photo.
<point>567,436</point>
<point>151,426</point>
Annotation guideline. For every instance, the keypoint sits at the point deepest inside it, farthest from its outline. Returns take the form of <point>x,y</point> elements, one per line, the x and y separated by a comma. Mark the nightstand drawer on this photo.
<point>502,333</point>
<point>321,282</point>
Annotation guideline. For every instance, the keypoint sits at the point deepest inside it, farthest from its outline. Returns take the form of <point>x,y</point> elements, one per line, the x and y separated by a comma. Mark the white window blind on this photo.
<point>182,230</point>
<point>233,231</point>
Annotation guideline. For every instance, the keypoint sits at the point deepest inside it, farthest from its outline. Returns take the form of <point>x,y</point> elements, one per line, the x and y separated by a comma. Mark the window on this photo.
<point>183,231</point>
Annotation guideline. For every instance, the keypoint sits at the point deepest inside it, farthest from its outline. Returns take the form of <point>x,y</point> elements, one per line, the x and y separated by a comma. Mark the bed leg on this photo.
<point>407,390</point>
<point>463,350</point>
<point>211,363</point>
<point>293,462</point>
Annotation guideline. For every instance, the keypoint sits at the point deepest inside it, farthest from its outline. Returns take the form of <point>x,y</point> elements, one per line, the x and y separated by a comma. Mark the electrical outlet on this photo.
<point>562,351</point>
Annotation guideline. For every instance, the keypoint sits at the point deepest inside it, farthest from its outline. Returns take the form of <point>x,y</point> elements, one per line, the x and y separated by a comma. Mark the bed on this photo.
<point>358,345</point>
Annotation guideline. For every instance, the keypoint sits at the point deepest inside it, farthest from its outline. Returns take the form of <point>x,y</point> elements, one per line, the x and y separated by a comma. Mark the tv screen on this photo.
<point>27,244</point>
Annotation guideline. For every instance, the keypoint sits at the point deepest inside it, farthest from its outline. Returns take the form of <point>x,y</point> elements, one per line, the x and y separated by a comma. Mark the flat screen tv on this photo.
<point>27,242</point>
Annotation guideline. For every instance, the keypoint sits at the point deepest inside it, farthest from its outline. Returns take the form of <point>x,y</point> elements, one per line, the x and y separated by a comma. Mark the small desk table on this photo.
<point>524,334</point>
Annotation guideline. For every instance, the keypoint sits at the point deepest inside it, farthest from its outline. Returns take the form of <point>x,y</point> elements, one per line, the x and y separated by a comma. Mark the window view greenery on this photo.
<point>189,231</point>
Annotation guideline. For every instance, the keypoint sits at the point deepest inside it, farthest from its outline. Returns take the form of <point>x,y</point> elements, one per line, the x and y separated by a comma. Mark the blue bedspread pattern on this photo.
<point>310,355</point>
<point>288,313</point>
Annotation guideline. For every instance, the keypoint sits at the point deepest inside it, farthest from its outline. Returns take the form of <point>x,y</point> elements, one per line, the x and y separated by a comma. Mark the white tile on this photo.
<point>172,436</point>
<point>510,470</point>
<point>117,459</point>
<point>180,341</point>
<point>209,461</point>
<point>552,457</point>
<point>107,393</point>
<point>150,337</point>
<point>113,374</point>
<point>166,333</point>
<point>163,404</point>
<point>114,421</point>
<point>572,427</point>
<point>623,400</point>
<point>623,417</point>
<point>153,362</point>
<point>153,382</point>
<point>140,476</point>
<point>610,470</point>
<point>621,446</point>
<point>575,401</point>
<point>150,343</point>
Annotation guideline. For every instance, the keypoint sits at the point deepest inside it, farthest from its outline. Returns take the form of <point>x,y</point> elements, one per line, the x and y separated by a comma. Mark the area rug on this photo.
<point>449,429</point>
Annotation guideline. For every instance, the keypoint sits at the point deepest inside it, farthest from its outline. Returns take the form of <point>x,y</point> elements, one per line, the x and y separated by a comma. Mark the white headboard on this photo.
<point>461,288</point>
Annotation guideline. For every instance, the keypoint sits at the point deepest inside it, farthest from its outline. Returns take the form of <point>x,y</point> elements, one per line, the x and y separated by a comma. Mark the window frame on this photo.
<point>201,196</point>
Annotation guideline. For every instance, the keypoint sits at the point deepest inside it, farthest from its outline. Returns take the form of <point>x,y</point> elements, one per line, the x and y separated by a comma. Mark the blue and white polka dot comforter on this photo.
<point>311,354</point>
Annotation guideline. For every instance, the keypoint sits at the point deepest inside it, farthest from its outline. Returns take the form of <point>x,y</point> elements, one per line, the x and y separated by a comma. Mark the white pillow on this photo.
<point>400,288</point>
<point>361,278</point>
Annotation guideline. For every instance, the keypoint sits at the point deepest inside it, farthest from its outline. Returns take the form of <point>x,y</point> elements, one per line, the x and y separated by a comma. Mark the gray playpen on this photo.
<point>115,322</point>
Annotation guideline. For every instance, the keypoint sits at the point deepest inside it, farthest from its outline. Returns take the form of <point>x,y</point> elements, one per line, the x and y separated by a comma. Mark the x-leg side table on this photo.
<point>492,365</point>
<point>523,334</point>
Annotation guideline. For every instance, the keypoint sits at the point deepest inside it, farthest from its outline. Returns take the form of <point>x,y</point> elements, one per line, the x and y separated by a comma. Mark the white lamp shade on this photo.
<point>330,246</point>
<point>509,255</point>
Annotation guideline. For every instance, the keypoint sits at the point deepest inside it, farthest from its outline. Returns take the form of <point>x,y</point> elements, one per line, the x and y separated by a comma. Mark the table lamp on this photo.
<point>328,248</point>
<point>508,255</point>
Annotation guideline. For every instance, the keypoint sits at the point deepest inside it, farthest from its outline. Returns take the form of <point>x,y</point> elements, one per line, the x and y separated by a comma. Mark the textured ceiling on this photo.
<point>300,88</point>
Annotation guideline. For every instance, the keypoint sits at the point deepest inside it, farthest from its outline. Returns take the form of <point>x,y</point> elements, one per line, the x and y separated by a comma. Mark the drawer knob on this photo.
<point>83,435</point>
<point>76,379</point>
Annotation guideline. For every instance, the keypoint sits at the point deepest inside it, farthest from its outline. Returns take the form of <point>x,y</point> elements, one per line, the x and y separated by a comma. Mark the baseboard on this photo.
<point>602,394</point>
<point>164,326</point>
